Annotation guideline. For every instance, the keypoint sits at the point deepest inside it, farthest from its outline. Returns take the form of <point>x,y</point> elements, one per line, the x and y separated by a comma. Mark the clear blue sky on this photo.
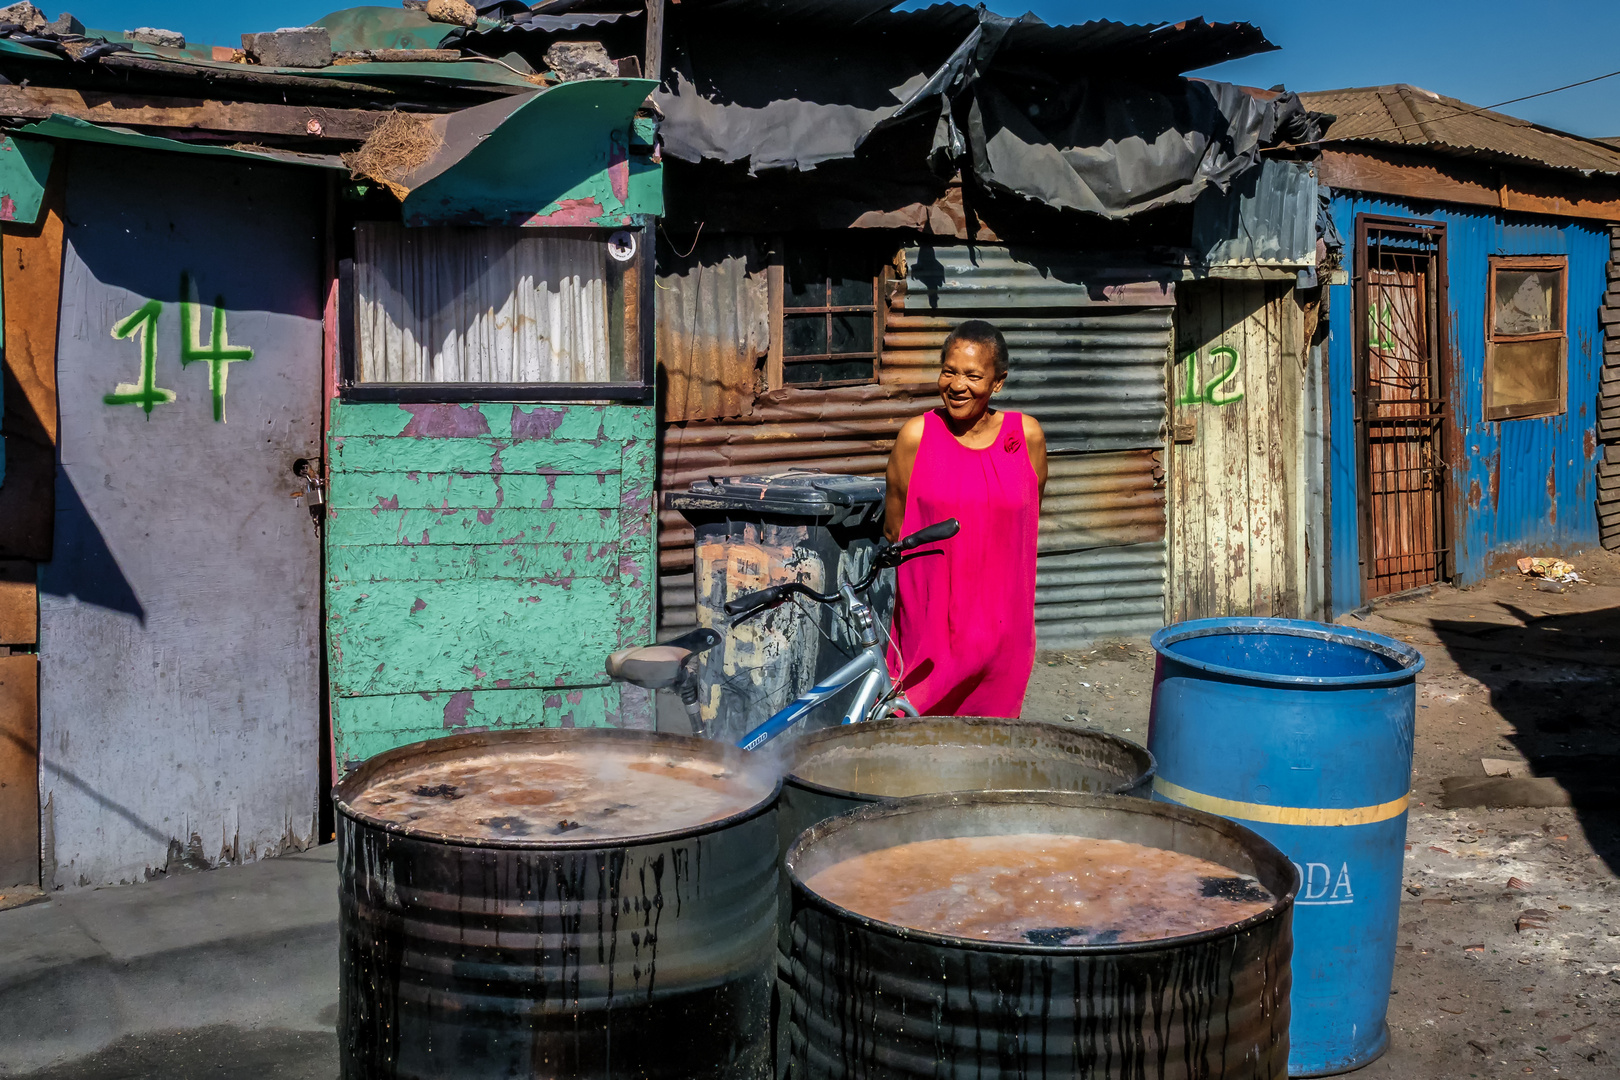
<point>1482,51</point>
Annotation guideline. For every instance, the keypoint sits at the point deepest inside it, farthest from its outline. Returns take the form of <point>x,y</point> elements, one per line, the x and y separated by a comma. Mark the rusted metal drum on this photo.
<point>531,940</point>
<point>852,765</point>
<point>874,999</point>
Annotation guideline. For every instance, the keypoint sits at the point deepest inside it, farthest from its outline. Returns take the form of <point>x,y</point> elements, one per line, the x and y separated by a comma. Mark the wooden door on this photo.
<point>179,614</point>
<point>1401,409</point>
<point>1237,522</point>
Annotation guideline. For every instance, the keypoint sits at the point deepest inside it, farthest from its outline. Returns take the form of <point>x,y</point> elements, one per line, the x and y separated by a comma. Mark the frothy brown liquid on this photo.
<point>1041,888</point>
<point>564,794</point>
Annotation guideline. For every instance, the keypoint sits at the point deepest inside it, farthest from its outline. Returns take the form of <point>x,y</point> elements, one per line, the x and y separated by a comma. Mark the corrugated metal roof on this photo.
<point>1403,115</point>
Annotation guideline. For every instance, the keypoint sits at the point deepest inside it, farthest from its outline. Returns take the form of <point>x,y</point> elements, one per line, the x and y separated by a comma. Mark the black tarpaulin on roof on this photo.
<point>1094,117</point>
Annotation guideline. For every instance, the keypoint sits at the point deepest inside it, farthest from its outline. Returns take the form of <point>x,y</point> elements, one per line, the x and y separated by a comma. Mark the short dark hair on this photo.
<point>979,332</point>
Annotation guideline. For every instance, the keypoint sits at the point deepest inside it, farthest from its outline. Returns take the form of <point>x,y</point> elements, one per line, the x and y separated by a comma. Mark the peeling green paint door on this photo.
<point>482,561</point>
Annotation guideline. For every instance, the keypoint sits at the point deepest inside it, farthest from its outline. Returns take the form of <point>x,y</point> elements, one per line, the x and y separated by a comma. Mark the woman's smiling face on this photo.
<point>967,378</point>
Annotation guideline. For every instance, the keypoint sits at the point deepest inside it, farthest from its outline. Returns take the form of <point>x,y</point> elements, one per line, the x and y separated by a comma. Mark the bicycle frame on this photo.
<point>870,667</point>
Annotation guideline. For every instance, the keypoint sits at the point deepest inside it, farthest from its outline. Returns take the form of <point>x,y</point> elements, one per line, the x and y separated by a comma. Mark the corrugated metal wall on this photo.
<point>1608,470</point>
<point>1266,218</point>
<point>713,325</point>
<point>1516,487</point>
<point>1237,516</point>
<point>1089,350</point>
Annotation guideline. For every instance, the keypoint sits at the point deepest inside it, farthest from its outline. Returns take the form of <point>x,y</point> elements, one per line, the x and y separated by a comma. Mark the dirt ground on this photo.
<point>1508,957</point>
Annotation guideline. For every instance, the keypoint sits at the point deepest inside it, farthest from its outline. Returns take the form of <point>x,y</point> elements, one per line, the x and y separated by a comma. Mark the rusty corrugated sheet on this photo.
<point>1402,115</point>
<point>713,327</point>
<point>1089,352</point>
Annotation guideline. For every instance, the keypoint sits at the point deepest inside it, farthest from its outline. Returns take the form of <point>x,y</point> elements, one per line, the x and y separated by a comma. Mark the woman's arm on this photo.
<point>901,459</point>
<point>1035,439</point>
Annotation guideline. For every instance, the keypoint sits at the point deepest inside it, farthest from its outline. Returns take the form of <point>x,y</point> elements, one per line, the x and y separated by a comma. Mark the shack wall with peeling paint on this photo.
<point>1514,487</point>
<point>482,561</point>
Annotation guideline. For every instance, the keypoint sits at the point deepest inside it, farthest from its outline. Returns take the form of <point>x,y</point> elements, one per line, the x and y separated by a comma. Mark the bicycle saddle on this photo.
<point>658,667</point>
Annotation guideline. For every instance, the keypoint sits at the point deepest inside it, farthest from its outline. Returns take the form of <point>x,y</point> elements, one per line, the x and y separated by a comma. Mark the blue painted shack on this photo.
<point>1465,340</point>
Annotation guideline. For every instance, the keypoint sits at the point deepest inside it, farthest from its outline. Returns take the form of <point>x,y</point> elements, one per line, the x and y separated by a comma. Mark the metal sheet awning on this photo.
<point>58,126</point>
<point>556,157</point>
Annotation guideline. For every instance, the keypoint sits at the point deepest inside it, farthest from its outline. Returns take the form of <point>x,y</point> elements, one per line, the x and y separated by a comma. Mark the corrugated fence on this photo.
<point>1089,346</point>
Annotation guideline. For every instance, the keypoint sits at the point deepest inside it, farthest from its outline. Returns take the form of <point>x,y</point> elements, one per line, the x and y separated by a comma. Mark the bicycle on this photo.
<point>667,666</point>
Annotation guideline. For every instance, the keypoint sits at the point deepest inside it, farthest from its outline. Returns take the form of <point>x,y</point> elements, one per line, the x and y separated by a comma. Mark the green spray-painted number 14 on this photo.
<point>217,352</point>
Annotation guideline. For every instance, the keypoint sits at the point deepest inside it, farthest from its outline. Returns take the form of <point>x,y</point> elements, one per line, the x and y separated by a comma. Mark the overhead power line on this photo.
<point>1459,112</point>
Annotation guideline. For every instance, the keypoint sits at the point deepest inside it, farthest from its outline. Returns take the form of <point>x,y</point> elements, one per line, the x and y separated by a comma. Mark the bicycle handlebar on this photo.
<point>942,530</point>
<point>774,594</point>
<point>888,555</point>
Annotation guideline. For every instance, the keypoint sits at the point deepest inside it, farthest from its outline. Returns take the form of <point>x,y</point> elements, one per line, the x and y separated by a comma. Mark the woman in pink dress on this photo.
<point>964,620</point>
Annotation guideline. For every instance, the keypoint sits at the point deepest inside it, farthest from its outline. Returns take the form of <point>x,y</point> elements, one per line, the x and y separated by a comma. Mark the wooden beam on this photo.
<point>655,39</point>
<point>1434,178</point>
<point>194,114</point>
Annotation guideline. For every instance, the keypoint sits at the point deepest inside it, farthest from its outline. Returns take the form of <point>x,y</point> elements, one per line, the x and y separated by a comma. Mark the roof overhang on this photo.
<point>565,156</point>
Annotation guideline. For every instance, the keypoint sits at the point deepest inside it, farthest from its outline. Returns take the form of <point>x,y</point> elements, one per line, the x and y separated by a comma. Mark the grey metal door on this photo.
<point>179,615</point>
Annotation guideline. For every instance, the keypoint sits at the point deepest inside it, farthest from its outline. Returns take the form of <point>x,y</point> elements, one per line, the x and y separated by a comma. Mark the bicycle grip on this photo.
<point>749,601</point>
<point>942,530</point>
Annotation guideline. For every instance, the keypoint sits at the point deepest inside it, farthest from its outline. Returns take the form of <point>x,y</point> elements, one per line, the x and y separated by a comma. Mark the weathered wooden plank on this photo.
<point>510,422</point>
<point>448,562</point>
<point>392,637</point>
<point>373,453</point>
<point>478,491</point>
<point>638,552</point>
<point>19,604</point>
<point>129,110</point>
<point>1416,175</point>
<point>366,726</point>
<point>31,264</point>
<point>352,528</point>
<point>19,770</point>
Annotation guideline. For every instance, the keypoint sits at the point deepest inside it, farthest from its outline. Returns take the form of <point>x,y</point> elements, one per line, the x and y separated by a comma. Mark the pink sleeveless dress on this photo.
<point>964,621</point>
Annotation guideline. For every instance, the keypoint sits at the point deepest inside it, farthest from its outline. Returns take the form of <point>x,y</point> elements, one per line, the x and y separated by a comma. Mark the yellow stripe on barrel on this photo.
<point>1280,815</point>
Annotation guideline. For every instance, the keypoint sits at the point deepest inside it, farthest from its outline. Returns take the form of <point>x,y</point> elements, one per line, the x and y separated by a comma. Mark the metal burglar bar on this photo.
<point>1400,409</point>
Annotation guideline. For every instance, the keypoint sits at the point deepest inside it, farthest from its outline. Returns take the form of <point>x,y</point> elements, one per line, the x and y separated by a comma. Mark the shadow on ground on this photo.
<point>210,1053</point>
<point>1555,677</point>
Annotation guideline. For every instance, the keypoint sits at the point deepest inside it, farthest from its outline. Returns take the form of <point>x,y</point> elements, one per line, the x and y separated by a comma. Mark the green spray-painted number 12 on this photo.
<point>217,352</point>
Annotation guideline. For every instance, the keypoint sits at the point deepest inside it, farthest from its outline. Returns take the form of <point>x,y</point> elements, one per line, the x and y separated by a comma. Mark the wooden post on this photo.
<point>655,40</point>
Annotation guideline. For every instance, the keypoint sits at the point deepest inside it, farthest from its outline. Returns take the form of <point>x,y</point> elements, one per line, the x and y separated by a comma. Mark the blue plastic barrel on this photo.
<point>1303,732</point>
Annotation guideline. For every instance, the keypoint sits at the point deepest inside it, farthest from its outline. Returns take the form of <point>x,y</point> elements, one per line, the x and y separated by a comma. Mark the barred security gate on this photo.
<point>1400,291</point>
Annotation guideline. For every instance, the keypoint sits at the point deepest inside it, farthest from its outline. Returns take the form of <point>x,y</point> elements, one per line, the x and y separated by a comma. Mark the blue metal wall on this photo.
<point>1522,486</point>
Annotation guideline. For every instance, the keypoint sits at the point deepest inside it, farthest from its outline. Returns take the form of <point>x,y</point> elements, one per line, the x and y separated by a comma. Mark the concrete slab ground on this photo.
<point>102,971</point>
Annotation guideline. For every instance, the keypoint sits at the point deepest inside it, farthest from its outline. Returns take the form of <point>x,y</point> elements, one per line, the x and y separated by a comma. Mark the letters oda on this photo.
<point>1319,886</point>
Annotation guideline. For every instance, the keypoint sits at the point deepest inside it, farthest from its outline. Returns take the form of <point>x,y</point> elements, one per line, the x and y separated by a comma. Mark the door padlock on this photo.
<point>314,490</point>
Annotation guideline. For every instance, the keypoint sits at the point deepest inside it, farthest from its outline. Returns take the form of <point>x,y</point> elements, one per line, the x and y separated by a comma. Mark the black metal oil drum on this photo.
<point>508,908</point>
<point>841,768</point>
<point>872,999</point>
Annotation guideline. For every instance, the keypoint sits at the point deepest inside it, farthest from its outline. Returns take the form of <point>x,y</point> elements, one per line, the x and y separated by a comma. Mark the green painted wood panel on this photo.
<point>375,724</point>
<point>482,560</point>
